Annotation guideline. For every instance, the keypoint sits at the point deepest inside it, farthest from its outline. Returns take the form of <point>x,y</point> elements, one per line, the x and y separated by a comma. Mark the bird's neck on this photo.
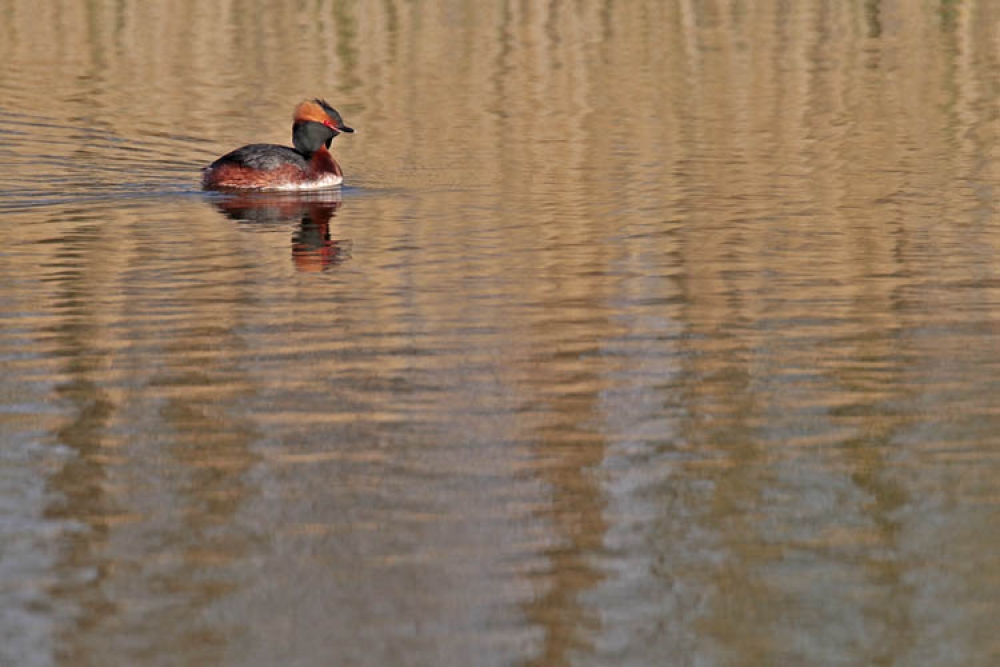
<point>310,138</point>
<point>322,162</point>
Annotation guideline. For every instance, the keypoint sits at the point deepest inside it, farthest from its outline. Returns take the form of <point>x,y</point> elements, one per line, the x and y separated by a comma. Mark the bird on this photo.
<point>307,166</point>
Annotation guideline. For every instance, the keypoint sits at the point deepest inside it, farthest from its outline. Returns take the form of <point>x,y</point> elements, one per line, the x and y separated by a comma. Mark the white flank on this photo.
<point>326,181</point>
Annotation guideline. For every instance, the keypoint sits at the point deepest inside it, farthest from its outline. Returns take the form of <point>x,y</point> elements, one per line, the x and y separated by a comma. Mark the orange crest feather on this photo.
<point>310,111</point>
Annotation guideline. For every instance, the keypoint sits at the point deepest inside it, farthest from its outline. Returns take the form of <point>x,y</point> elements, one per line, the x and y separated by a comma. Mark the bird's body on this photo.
<point>307,166</point>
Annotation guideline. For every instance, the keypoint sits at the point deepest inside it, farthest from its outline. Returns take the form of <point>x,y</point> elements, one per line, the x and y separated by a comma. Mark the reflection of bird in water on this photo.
<point>312,247</point>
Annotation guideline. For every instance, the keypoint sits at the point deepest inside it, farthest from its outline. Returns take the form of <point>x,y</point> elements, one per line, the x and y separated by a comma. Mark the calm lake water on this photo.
<point>643,333</point>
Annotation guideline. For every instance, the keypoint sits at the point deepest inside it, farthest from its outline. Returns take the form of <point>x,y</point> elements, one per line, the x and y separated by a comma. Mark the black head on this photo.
<point>316,124</point>
<point>338,122</point>
<point>309,137</point>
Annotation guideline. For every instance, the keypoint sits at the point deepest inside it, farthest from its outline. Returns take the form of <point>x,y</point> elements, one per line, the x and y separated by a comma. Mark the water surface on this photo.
<point>643,333</point>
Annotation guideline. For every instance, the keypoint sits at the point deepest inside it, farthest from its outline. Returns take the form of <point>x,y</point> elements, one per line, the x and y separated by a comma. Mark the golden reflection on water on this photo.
<point>651,331</point>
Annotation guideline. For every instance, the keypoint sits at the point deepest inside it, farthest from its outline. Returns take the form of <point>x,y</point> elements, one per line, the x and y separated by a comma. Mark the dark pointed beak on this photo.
<point>337,128</point>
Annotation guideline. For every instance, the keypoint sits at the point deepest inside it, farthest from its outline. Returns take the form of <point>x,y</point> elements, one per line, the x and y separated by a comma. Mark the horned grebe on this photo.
<point>308,166</point>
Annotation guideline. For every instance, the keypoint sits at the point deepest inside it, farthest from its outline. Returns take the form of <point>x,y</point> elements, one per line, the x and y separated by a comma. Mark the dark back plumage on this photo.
<point>262,156</point>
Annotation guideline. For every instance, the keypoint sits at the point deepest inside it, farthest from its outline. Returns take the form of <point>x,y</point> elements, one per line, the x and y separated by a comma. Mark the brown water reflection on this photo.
<point>312,247</point>
<point>645,333</point>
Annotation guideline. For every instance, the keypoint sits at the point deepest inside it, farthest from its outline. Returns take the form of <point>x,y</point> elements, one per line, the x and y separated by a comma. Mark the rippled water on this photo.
<point>642,333</point>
